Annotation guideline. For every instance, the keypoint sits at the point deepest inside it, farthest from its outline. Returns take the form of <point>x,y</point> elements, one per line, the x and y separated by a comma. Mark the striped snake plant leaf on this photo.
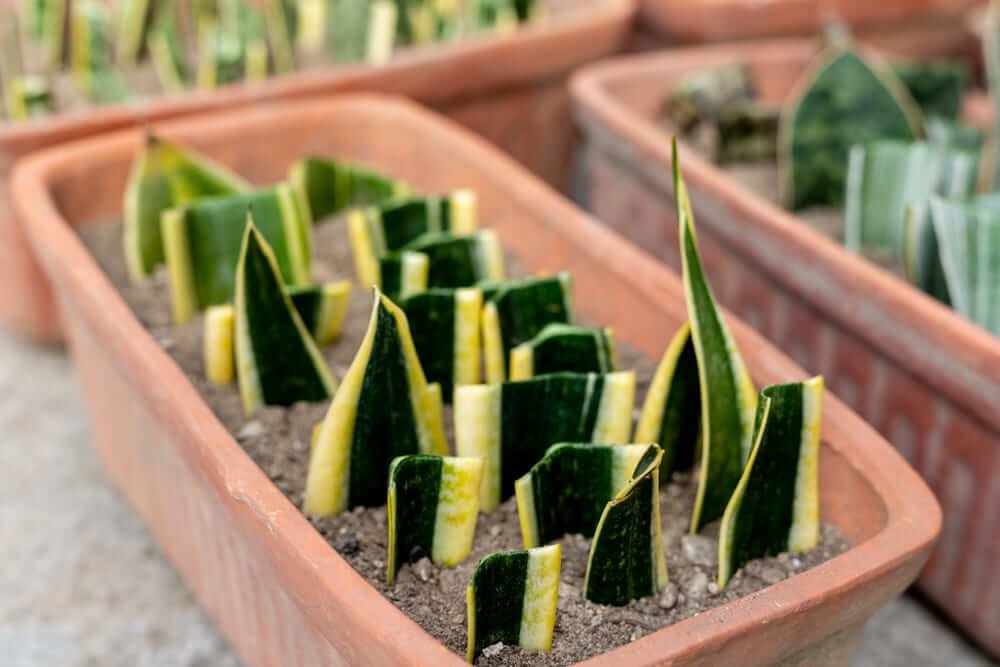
<point>133,21</point>
<point>886,176</point>
<point>991,61</point>
<point>91,56</point>
<point>432,508</point>
<point>347,29</point>
<point>280,17</point>
<point>564,347</point>
<point>512,599</point>
<point>937,86</point>
<point>328,186</point>
<point>626,559</point>
<point>45,22</point>
<point>842,101</point>
<point>512,424</point>
<point>921,254</point>
<point>26,96</point>
<point>671,414</point>
<point>384,408</point>
<point>164,176</point>
<point>202,243</point>
<point>516,311</point>
<point>567,490</point>
<point>277,361</point>
<point>167,49</point>
<point>775,507</point>
<point>445,328</point>
<point>728,399</point>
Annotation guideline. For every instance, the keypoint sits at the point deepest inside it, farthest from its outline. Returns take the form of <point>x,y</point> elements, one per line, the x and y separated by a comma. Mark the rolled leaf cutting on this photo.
<point>564,347</point>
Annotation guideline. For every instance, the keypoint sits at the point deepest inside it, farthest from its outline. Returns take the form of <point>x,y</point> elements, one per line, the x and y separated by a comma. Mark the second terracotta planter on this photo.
<point>926,378</point>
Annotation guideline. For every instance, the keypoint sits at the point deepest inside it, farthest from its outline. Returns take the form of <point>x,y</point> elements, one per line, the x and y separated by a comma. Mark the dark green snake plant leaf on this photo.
<point>384,408</point>
<point>167,49</point>
<point>164,176</point>
<point>433,506</point>
<point>512,599</point>
<point>626,555</point>
<point>91,56</point>
<point>844,100</point>
<point>567,490</point>
<point>728,399</point>
<point>671,415</point>
<point>328,187</point>
<point>564,347</point>
<point>921,254</point>
<point>511,425</point>
<point>936,86</point>
<point>45,21</point>
<point>775,507</point>
<point>133,21</point>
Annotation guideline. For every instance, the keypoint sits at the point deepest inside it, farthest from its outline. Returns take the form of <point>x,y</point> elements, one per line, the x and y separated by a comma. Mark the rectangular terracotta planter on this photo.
<point>274,586</point>
<point>510,89</point>
<point>923,376</point>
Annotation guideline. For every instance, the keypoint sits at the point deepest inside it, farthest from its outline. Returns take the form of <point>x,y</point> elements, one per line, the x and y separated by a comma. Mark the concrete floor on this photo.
<point>84,586</point>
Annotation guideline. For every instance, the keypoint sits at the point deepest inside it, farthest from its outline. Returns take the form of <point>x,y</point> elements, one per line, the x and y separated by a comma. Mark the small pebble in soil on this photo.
<point>668,597</point>
<point>493,650</point>
<point>697,585</point>
<point>251,429</point>
<point>348,547</point>
<point>700,550</point>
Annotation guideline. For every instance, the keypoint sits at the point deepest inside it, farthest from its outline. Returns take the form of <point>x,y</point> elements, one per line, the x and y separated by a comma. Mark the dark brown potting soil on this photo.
<point>277,439</point>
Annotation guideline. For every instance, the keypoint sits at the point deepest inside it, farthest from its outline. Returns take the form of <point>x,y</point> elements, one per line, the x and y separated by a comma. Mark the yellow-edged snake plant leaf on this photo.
<point>564,347</point>
<point>433,507</point>
<point>167,49</point>
<point>327,187</point>
<point>775,507</point>
<point>512,599</point>
<point>511,425</point>
<point>384,408</point>
<point>91,54</point>
<point>626,559</point>
<point>45,22</point>
<point>133,20</point>
<point>567,490</point>
<point>921,254</point>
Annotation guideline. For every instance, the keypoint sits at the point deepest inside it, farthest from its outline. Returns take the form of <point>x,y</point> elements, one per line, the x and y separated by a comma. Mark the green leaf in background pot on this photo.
<point>133,21</point>
<point>990,39</point>
<point>432,508</point>
<point>567,490</point>
<point>921,254</point>
<point>564,347</point>
<point>842,101</point>
<point>277,361</point>
<point>512,598</point>
<point>45,22</point>
<point>512,424</point>
<point>167,50</point>
<point>281,17</point>
<point>348,30</point>
<point>775,508</point>
<point>27,97</point>
<point>626,559</point>
<point>937,86</point>
<point>384,408</point>
<point>91,54</point>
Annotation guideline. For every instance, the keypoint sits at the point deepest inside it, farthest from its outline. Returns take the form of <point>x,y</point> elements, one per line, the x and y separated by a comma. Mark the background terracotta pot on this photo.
<point>510,89</point>
<point>925,377</point>
<point>274,586</point>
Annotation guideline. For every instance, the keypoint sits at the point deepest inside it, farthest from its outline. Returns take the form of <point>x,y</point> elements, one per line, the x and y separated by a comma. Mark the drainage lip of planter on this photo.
<point>509,88</point>
<point>277,590</point>
<point>715,20</point>
<point>922,375</point>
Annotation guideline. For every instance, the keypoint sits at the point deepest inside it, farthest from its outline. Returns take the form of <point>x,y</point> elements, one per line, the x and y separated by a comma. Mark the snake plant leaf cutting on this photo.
<point>921,254</point>
<point>671,414</point>
<point>384,408</point>
<point>277,361</point>
<point>728,398</point>
<point>626,559</point>
<point>220,355</point>
<point>844,100</point>
<point>167,50</point>
<point>202,244</point>
<point>328,187</point>
<point>45,21</point>
<point>564,347</point>
<point>775,507</point>
<point>26,96</point>
<point>936,86</point>
<point>444,324</point>
<point>401,274</point>
<point>164,176</point>
<point>432,508</point>
<point>512,599</point>
<point>991,63</point>
<point>348,25</point>
<point>511,425</point>
<point>91,54</point>
<point>134,19</point>
<point>281,17</point>
<point>514,312</point>
<point>566,491</point>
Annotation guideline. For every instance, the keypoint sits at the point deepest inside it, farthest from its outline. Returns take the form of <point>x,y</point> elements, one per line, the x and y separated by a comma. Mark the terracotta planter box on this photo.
<point>512,90</point>
<point>279,592</point>
<point>923,376</point>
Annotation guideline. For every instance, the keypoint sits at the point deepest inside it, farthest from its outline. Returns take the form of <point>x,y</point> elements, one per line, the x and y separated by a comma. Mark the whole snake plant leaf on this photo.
<point>512,424</point>
<point>564,347</point>
<point>432,508</point>
<point>202,244</point>
<point>512,599</point>
<point>445,328</point>
<point>842,101</point>
<point>671,414</point>
<point>277,361</point>
<point>514,312</point>
<point>328,187</point>
<point>937,86</point>
<point>775,507</point>
<point>384,408</point>
<point>566,491</point>
<point>626,559</point>
<point>164,176</point>
<point>728,398</point>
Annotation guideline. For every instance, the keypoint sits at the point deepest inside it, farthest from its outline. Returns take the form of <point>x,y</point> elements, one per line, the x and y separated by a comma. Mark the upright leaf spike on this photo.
<point>728,399</point>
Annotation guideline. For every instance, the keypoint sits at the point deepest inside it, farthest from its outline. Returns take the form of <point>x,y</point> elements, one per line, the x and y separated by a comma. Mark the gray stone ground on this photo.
<point>83,585</point>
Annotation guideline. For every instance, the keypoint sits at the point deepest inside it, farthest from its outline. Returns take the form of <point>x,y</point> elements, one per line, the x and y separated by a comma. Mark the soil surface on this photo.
<point>277,439</point>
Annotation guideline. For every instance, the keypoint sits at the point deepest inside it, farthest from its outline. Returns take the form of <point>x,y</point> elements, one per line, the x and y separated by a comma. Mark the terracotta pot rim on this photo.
<point>913,314</point>
<point>913,517</point>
